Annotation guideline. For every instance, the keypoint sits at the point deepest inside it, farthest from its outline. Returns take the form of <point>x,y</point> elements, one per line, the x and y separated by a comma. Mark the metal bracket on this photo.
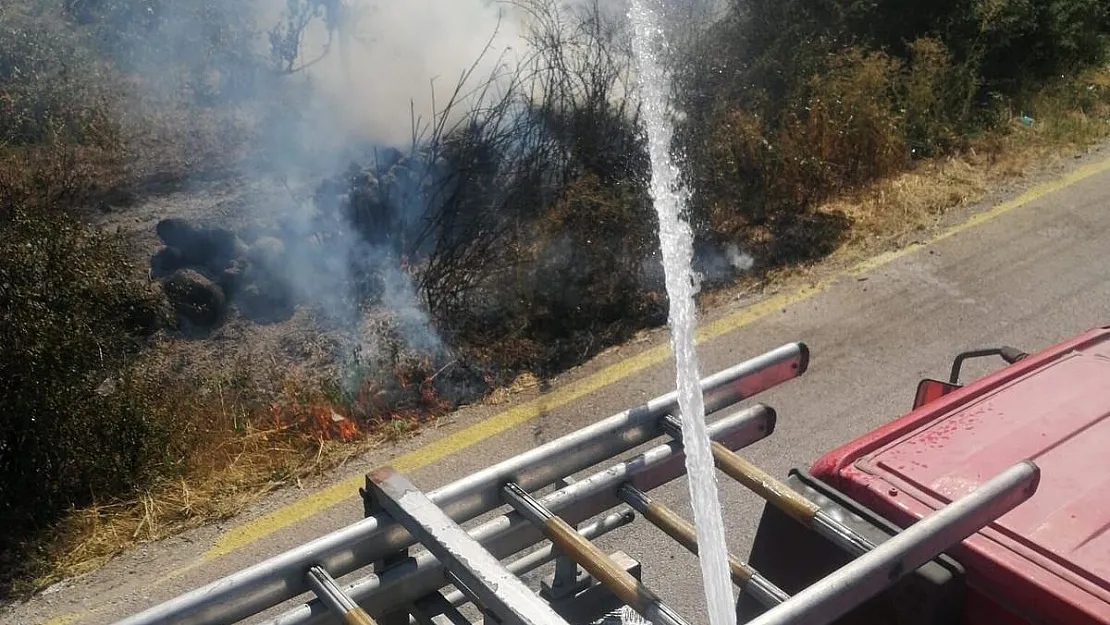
<point>568,578</point>
<point>501,593</point>
<point>435,609</point>
<point>371,506</point>
<point>595,600</point>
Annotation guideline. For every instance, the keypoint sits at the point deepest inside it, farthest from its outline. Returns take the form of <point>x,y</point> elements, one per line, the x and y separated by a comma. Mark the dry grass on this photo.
<point>909,206</point>
<point>245,426</point>
<point>502,395</point>
<point>889,210</point>
<point>61,172</point>
<point>262,461</point>
<point>241,470</point>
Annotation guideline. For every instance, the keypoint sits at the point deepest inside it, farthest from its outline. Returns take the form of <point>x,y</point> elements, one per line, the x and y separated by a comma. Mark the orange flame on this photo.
<point>371,406</point>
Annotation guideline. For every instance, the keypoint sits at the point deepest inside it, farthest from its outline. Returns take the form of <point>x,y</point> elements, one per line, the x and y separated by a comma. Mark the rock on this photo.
<point>268,254</point>
<point>249,234</point>
<point>222,247</point>
<point>238,248</point>
<point>175,231</point>
<point>195,298</point>
<point>166,261</point>
<point>214,248</point>
<point>231,278</point>
<point>266,271</point>
<point>265,302</point>
<point>107,387</point>
<point>147,318</point>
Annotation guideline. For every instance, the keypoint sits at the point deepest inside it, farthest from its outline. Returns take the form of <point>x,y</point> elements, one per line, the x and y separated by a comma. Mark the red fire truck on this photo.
<point>1045,562</point>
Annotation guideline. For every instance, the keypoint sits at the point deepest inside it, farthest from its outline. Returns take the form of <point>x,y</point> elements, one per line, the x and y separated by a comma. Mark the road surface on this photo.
<point>1035,272</point>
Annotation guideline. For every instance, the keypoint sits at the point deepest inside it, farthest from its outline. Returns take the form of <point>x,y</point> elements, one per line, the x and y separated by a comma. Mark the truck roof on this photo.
<point>1049,557</point>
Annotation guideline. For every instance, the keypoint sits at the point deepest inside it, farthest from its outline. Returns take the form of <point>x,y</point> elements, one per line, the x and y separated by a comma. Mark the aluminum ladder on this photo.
<point>393,585</point>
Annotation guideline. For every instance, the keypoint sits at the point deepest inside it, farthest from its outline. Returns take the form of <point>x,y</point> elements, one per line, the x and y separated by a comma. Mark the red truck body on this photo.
<point>1047,561</point>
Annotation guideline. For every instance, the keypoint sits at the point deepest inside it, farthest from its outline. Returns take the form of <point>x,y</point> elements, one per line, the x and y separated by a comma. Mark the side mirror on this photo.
<point>1010,354</point>
<point>932,390</point>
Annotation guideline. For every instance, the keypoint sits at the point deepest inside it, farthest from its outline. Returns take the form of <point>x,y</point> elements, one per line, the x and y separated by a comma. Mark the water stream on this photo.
<point>676,241</point>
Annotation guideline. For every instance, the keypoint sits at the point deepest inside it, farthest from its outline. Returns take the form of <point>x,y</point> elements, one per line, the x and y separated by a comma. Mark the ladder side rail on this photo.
<point>868,575</point>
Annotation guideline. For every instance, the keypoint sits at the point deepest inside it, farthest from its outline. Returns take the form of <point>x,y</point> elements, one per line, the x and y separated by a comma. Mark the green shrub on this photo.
<point>791,101</point>
<point>936,97</point>
<point>848,126</point>
<point>1020,40</point>
<point>72,430</point>
<point>839,129</point>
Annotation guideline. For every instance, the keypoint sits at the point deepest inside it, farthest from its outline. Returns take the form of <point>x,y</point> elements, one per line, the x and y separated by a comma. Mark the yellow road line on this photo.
<point>433,452</point>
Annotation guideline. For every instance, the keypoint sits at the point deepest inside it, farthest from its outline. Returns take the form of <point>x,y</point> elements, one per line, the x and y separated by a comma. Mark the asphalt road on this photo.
<point>1030,277</point>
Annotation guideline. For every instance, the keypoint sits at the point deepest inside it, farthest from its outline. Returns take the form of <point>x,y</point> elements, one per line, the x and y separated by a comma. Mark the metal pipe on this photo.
<point>280,578</point>
<point>565,579</point>
<point>780,495</point>
<point>340,604</point>
<point>631,591</point>
<point>495,588</point>
<point>744,576</point>
<point>848,539</point>
<point>534,560</point>
<point>627,588</point>
<point>509,533</point>
<point>868,575</point>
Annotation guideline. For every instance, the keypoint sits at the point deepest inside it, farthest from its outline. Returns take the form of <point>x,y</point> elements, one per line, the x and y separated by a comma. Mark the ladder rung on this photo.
<point>779,494</point>
<point>337,601</point>
<point>465,558</point>
<point>684,533</point>
<point>626,587</point>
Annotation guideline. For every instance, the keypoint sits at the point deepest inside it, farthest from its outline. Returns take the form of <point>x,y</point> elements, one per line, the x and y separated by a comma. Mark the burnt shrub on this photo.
<point>537,239</point>
<point>589,279</point>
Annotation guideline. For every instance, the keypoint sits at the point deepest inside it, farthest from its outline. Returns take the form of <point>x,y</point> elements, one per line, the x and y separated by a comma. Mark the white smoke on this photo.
<point>394,60</point>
